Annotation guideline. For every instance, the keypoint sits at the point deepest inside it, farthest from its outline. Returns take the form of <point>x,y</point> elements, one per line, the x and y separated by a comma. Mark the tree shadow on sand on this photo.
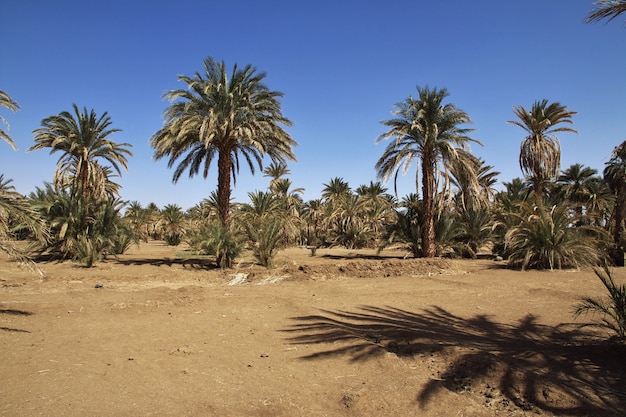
<point>187,263</point>
<point>13,312</point>
<point>558,369</point>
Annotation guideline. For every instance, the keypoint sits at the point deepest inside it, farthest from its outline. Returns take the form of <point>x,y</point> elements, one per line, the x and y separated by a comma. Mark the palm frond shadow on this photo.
<point>532,365</point>
<point>14,312</point>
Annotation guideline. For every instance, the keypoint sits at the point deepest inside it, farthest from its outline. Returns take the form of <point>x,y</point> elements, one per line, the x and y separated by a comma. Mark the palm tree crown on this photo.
<point>7,102</point>
<point>427,130</point>
<point>82,141</point>
<point>225,116</point>
<point>607,9</point>
<point>540,153</point>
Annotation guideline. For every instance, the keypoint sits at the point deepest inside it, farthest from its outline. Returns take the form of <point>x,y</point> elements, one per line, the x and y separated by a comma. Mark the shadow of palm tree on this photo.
<point>14,312</point>
<point>187,263</point>
<point>559,369</point>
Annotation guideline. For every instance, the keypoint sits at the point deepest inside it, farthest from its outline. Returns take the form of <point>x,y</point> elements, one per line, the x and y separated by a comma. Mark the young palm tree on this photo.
<point>82,140</point>
<point>430,132</point>
<point>172,223</point>
<point>612,310</point>
<point>607,9</point>
<point>544,238</point>
<point>264,220</point>
<point>540,153</point>
<point>223,116</point>
<point>7,102</point>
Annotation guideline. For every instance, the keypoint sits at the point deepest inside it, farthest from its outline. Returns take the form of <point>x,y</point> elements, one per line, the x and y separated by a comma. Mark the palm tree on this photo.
<point>7,102</point>
<point>313,214</point>
<point>543,238</point>
<point>276,171</point>
<point>265,221</point>
<point>476,187</point>
<point>16,215</point>
<point>429,131</point>
<point>82,141</point>
<point>540,153</point>
<point>336,190</point>
<point>223,116</point>
<point>172,217</point>
<point>575,185</point>
<point>607,9</point>
<point>137,217</point>
<point>615,176</point>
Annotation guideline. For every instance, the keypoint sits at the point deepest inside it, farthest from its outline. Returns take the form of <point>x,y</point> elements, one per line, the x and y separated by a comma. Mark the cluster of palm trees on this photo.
<point>554,219</point>
<point>551,219</point>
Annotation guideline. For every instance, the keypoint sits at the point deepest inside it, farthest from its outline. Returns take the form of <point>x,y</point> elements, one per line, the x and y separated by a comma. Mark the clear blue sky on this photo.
<point>342,66</point>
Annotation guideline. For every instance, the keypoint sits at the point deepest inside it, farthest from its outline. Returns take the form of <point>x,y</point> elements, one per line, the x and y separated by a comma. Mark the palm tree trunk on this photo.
<point>223,186</point>
<point>617,254</point>
<point>428,191</point>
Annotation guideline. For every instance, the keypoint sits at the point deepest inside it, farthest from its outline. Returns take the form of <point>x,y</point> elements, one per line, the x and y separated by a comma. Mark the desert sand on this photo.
<point>345,333</point>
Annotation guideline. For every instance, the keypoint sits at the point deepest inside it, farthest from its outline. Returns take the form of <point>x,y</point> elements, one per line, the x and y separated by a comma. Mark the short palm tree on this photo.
<point>8,103</point>
<point>429,131</point>
<point>607,9</point>
<point>172,223</point>
<point>264,220</point>
<point>612,310</point>
<point>540,152</point>
<point>83,140</point>
<point>224,116</point>
<point>545,238</point>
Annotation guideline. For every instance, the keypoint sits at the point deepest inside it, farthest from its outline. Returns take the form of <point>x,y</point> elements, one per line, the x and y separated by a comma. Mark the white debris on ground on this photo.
<point>241,278</point>
<point>272,280</point>
<point>238,279</point>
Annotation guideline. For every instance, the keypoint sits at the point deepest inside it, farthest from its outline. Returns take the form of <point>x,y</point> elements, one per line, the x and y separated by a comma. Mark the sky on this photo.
<point>341,64</point>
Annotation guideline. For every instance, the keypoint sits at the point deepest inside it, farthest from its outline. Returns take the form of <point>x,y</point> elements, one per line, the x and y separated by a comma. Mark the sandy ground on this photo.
<point>345,333</point>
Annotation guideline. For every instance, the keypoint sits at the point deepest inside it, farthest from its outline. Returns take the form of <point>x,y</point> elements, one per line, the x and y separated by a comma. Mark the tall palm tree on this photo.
<point>225,116</point>
<point>607,9</point>
<point>7,102</point>
<point>429,131</point>
<point>540,152</point>
<point>83,140</point>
